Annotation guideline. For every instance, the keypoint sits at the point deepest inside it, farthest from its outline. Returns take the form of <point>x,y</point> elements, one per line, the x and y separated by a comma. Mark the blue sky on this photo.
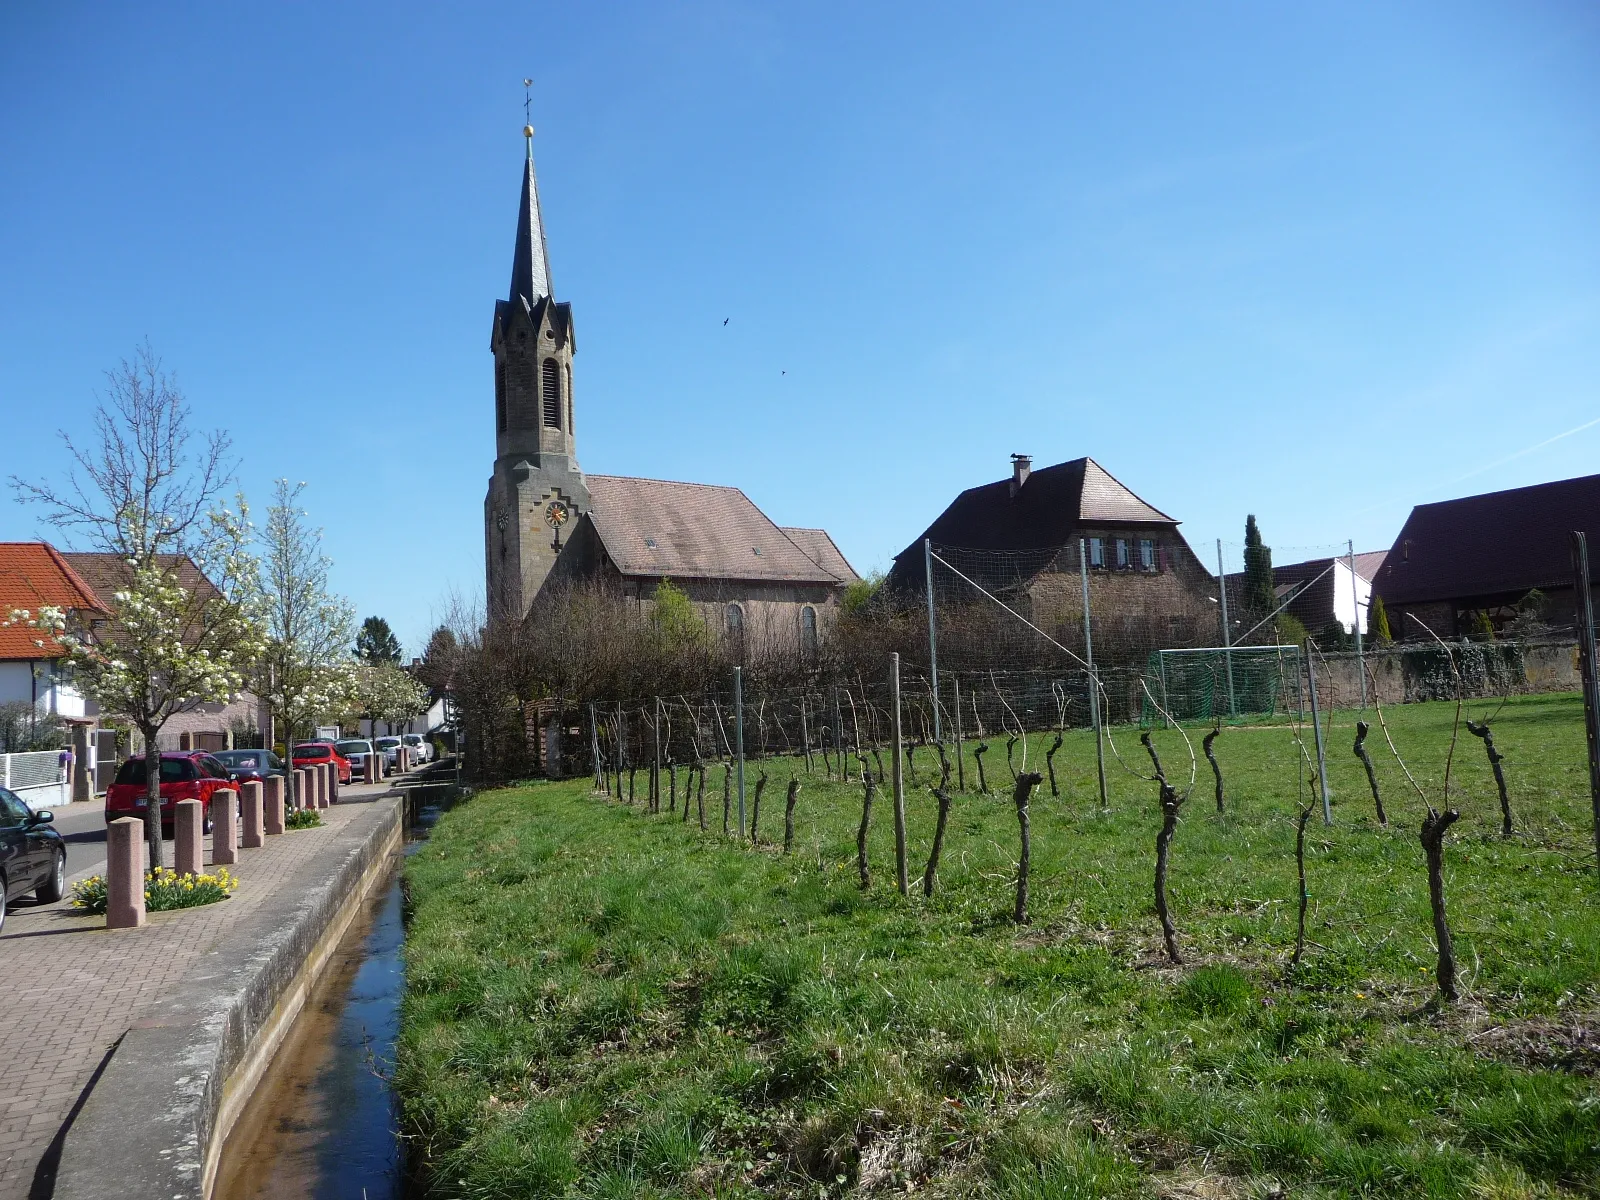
<point>1316,262</point>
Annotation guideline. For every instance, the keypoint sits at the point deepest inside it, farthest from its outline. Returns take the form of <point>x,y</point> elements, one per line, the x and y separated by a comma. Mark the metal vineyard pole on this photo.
<point>898,776</point>
<point>933,637</point>
<point>738,738</point>
<point>1227,631</point>
<point>1094,678</point>
<point>1316,728</point>
<point>1589,670</point>
<point>1355,610</point>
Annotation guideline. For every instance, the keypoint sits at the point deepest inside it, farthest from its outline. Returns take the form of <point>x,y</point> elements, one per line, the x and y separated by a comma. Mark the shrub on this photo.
<point>164,889</point>
<point>302,818</point>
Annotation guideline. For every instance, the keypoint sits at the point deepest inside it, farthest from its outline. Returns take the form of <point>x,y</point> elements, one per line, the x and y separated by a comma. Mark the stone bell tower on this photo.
<point>535,465</point>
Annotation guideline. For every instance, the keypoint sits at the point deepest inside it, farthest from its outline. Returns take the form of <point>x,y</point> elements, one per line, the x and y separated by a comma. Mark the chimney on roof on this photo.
<point>1021,467</point>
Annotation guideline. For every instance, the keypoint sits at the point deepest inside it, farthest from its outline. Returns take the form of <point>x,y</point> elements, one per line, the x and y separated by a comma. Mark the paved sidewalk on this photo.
<point>72,987</point>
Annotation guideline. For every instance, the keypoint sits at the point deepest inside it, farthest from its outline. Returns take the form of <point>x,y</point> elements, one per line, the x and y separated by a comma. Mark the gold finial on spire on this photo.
<point>527,112</point>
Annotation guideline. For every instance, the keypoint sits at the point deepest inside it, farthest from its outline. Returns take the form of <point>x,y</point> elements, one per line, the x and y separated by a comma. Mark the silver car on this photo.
<point>356,750</point>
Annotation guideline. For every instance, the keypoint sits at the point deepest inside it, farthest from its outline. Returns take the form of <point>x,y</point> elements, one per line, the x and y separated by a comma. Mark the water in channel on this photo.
<point>323,1122</point>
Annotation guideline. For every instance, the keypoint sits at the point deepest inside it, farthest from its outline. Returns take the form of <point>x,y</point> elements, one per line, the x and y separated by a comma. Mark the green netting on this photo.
<point>1202,685</point>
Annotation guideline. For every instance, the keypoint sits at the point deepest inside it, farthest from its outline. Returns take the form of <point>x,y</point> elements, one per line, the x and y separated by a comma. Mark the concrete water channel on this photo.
<point>323,1122</point>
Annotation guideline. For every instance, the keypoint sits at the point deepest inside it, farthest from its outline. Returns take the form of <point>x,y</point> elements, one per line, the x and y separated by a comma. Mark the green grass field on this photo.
<point>601,1002</point>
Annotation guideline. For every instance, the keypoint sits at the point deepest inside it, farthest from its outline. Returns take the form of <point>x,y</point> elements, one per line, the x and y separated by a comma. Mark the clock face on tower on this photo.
<point>556,514</point>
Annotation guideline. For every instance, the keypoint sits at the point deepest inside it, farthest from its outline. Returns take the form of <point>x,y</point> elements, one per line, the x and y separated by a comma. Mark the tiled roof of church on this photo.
<point>820,549</point>
<point>656,527</point>
<point>34,574</point>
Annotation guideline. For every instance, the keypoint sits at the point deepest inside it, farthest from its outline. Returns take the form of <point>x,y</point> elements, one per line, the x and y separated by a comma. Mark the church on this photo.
<point>547,524</point>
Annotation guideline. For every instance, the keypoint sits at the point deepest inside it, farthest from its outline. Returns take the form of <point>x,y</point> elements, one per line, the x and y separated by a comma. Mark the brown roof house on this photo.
<point>1019,539</point>
<point>544,519</point>
<point>203,726</point>
<point>1460,560</point>
<point>1321,591</point>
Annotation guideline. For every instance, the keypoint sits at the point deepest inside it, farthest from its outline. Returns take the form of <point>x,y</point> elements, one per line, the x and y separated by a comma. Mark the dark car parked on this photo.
<point>33,858</point>
<point>246,765</point>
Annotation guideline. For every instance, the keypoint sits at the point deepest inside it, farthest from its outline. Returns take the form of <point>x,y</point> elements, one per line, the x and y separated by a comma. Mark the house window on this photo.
<point>552,394</point>
<point>1121,545</point>
<point>733,617</point>
<point>808,630</point>
<point>1097,553</point>
<point>500,395</point>
<point>1147,554</point>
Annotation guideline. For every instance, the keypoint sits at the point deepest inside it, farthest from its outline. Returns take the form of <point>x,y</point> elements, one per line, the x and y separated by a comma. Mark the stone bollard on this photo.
<point>250,814</point>
<point>188,839</point>
<point>333,783</point>
<point>125,874</point>
<point>274,805</point>
<point>322,785</point>
<point>302,786</point>
<point>369,768</point>
<point>224,827</point>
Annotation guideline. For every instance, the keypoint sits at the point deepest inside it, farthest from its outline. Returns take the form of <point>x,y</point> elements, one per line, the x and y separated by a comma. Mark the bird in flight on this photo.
<point>725,320</point>
<point>783,372</point>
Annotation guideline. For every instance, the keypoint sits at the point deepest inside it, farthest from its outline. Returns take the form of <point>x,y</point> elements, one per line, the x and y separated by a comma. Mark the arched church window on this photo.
<point>808,630</point>
<point>733,616</point>
<point>552,393</point>
<point>500,395</point>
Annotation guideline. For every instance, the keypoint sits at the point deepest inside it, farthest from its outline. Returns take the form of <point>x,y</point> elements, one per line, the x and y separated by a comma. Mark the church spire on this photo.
<point>530,266</point>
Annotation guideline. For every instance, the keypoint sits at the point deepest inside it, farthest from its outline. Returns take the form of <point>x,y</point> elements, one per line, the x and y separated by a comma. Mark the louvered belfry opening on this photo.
<point>551,389</point>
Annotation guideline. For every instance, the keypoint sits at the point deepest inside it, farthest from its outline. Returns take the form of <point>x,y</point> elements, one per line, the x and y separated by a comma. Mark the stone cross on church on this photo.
<point>537,486</point>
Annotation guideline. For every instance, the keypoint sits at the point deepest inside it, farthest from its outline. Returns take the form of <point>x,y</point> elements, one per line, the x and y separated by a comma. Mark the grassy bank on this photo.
<point>602,1002</point>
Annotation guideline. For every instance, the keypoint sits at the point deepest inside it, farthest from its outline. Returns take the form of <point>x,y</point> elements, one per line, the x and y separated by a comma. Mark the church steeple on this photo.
<point>530,265</point>
<point>536,459</point>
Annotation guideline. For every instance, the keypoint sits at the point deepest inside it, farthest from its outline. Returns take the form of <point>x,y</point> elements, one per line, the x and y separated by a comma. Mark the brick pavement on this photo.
<point>70,987</point>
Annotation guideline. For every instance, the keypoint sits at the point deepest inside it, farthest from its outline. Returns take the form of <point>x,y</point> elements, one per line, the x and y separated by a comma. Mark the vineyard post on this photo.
<point>961,771</point>
<point>933,637</point>
<point>898,775</point>
<point>1355,611</point>
<point>655,774</point>
<point>1227,633</point>
<point>738,739</point>
<point>594,744</point>
<point>1316,728</point>
<point>1589,670</point>
<point>1094,679</point>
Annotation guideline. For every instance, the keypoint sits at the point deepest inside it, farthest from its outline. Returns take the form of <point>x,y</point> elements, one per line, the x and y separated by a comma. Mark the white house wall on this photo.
<point>1350,602</point>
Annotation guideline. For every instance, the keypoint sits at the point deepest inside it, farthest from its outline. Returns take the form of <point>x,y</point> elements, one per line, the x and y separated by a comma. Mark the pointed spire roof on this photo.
<point>530,265</point>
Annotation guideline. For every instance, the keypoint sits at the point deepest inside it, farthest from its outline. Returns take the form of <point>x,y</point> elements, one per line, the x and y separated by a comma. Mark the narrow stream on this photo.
<point>323,1122</point>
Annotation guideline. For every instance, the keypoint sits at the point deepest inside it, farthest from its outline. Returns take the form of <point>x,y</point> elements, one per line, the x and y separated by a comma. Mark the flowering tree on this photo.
<point>305,672</point>
<point>185,626</point>
<point>385,692</point>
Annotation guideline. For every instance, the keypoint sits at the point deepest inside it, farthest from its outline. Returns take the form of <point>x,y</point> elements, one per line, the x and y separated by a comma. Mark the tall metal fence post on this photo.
<point>738,739</point>
<point>898,775</point>
<point>1227,629</point>
<point>961,771</point>
<point>1355,609</point>
<point>933,636</point>
<point>594,744</point>
<point>838,737</point>
<point>1094,678</point>
<point>655,773</point>
<point>1590,670</point>
<point>1316,727</point>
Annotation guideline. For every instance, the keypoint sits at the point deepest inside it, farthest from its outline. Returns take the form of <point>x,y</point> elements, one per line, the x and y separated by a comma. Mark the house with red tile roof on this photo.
<point>34,575</point>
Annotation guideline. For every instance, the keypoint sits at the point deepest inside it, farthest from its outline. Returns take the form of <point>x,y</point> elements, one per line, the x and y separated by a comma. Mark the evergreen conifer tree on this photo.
<point>1259,597</point>
<point>1378,622</point>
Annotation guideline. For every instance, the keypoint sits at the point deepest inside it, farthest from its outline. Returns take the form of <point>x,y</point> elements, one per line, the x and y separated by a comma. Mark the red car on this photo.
<point>185,775</point>
<point>309,754</point>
